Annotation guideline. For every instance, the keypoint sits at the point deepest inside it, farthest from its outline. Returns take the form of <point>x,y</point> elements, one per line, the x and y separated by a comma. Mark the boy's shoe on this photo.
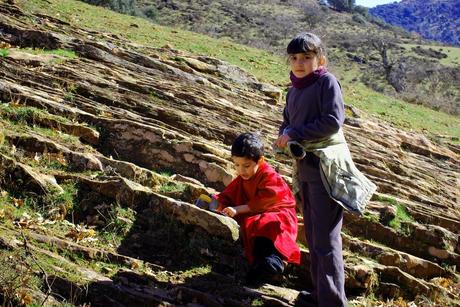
<point>306,299</point>
<point>269,270</point>
<point>273,264</point>
<point>257,279</point>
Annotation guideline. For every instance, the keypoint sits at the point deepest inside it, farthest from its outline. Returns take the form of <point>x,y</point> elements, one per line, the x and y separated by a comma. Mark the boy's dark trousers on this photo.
<point>323,222</point>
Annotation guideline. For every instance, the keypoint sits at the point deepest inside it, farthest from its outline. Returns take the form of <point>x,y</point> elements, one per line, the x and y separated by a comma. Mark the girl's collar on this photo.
<point>309,79</point>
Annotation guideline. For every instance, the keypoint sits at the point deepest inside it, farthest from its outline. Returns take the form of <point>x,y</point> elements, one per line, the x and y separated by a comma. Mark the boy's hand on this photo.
<point>282,140</point>
<point>229,211</point>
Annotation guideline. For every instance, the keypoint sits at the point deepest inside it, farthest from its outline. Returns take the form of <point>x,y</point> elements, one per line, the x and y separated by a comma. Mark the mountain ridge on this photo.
<point>434,20</point>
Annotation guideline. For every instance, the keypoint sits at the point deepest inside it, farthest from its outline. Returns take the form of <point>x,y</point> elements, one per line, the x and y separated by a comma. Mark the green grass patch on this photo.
<point>257,302</point>
<point>401,216</point>
<point>65,200</point>
<point>48,161</point>
<point>20,114</point>
<point>164,173</point>
<point>68,271</point>
<point>453,53</point>
<point>172,187</point>
<point>53,205</point>
<point>4,53</point>
<point>11,208</point>
<point>370,217</point>
<point>119,220</point>
<point>57,135</point>
<point>27,115</point>
<point>61,52</point>
<point>385,199</point>
<point>21,119</point>
<point>402,114</point>
<point>197,271</point>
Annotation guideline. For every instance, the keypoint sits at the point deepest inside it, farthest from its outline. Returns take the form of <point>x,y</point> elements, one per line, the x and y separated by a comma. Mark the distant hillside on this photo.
<point>433,19</point>
<point>263,24</point>
<point>362,49</point>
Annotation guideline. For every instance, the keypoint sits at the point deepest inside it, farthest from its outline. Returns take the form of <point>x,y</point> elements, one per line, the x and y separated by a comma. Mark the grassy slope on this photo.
<point>453,53</point>
<point>266,66</point>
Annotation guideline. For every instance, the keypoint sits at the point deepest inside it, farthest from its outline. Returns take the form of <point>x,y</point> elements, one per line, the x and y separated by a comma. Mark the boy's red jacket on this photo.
<point>272,214</point>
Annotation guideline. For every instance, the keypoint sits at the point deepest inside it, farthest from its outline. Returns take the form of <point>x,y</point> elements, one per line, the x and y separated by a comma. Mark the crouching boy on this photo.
<point>264,207</point>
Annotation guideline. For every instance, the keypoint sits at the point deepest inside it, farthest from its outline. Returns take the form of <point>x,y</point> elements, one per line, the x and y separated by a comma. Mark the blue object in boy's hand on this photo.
<point>203,201</point>
<point>207,203</point>
<point>201,204</point>
<point>214,204</point>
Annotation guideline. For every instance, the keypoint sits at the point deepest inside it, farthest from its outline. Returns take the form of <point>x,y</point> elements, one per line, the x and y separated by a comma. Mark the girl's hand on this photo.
<point>282,140</point>
<point>229,211</point>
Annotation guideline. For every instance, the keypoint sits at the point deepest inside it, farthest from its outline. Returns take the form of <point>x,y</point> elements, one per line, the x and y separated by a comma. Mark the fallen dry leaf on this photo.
<point>135,265</point>
<point>25,298</point>
<point>25,221</point>
<point>18,203</point>
<point>78,233</point>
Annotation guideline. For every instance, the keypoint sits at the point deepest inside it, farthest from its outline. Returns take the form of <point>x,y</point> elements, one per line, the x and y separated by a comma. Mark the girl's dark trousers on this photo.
<point>323,222</point>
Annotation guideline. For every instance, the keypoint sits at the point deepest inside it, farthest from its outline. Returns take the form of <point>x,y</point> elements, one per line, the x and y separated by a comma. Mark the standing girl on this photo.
<point>314,112</point>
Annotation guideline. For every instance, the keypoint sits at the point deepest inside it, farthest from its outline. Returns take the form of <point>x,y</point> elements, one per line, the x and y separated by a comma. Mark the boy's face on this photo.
<point>245,167</point>
<point>302,64</point>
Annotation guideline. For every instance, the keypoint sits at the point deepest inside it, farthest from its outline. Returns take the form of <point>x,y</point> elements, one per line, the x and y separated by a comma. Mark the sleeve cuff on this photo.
<point>292,134</point>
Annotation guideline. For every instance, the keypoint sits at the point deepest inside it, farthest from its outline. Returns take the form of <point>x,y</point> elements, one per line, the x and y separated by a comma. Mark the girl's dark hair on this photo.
<point>248,145</point>
<point>306,42</point>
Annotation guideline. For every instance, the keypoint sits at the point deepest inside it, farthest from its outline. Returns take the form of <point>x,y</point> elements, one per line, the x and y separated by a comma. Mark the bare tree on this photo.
<point>312,12</point>
<point>394,68</point>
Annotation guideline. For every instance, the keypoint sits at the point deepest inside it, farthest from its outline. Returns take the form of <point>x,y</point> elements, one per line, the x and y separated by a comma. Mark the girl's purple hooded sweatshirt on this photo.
<point>315,111</point>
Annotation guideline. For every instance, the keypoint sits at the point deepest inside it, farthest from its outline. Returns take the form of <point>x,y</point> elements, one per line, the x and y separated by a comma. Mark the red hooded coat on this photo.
<point>273,213</point>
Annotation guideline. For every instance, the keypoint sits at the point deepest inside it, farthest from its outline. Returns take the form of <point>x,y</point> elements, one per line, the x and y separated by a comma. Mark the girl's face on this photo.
<point>246,168</point>
<point>302,64</point>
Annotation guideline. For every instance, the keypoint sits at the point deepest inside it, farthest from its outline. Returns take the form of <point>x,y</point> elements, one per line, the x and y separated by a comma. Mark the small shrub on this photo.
<point>359,19</point>
<point>150,12</point>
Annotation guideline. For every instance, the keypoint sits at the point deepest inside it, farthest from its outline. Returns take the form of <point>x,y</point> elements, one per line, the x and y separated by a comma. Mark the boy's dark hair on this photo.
<point>306,42</point>
<point>248,145</point>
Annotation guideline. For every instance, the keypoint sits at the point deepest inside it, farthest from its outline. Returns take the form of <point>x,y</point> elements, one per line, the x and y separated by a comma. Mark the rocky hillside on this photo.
<point>105,145</point>
<point>434,20</point>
